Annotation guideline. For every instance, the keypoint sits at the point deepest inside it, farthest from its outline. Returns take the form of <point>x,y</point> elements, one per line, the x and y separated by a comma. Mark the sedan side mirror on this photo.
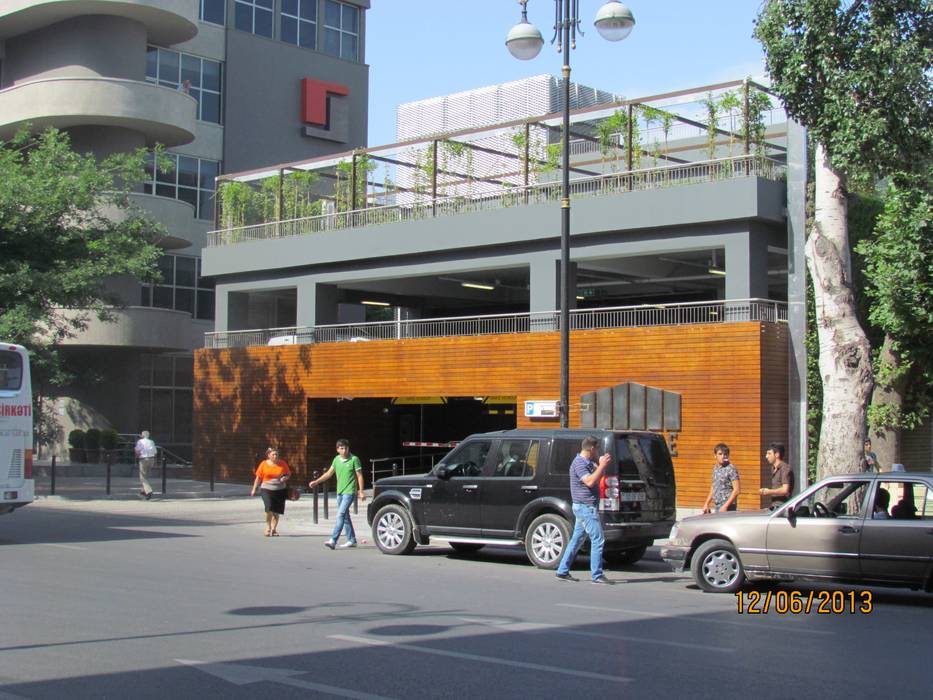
<point>792,515</point>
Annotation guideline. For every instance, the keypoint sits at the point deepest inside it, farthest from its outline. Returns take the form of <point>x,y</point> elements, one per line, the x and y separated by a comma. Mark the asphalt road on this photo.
<point>183,599</point>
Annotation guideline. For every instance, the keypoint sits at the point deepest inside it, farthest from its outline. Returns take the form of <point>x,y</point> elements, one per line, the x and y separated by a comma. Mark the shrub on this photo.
<point>109,439</point>
<point>92,439</point>
<point>76,439</point>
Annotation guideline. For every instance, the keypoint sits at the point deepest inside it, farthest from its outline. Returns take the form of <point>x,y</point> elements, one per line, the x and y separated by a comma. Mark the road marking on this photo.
<point>690,617</point>
<point>508,624</point>
<point>644,640</point>
<point>482,659</point>
<point>243,674</point>
<point>62,546</point>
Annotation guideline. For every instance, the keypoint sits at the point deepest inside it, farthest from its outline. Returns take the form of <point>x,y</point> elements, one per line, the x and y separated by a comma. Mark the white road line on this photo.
<point>691,617</point>
<point>481,659</point>
<point>509,625</point>
<point>644,640</point>
<point>62,546</point>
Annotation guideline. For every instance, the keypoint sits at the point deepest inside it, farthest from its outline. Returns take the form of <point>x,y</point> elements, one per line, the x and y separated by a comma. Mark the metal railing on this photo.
<point>725,311</point>
<point>396,466</point>
<point>598,185</point>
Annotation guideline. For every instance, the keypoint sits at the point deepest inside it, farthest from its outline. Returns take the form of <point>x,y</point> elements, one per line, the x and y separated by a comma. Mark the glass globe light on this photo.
<point>524,41</point>
<point>614,21</point>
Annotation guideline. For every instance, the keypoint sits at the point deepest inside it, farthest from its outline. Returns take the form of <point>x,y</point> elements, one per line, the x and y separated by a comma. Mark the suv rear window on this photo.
<point>563,453</point>
<point>11,370</point>
<point>644,456</point>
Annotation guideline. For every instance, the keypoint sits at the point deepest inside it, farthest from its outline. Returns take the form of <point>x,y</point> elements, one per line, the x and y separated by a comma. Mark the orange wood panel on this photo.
<point>732,378</point>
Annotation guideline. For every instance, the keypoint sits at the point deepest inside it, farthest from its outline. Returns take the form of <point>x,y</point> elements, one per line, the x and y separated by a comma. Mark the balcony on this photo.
<point>166,21</point>
<point>645,315</point>
<point>158,330</point>
<point>163,115</point>
<point>641,145</point>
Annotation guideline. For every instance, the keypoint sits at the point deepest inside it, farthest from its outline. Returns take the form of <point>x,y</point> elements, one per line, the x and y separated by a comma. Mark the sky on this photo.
<point>426,48</point>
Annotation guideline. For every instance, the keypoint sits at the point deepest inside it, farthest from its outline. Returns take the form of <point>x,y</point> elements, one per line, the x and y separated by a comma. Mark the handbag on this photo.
<point>293,493</point>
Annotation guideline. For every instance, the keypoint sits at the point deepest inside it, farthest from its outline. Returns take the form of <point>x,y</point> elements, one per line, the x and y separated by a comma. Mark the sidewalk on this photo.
<point>87,488</point>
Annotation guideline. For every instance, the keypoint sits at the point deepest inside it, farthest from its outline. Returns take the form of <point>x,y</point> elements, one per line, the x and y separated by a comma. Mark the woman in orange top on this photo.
<point>272,481</point>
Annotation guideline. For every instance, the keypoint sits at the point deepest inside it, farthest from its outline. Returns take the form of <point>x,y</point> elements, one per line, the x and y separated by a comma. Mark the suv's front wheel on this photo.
<point>545,540</point>
<point>392,530</point>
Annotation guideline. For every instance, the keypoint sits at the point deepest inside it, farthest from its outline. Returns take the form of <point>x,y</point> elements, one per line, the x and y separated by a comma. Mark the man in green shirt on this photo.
<point>349,473</point>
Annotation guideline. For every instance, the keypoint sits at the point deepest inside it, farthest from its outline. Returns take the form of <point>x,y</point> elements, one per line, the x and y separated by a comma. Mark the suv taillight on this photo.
<point>609,493</point>
<point>27,465</point>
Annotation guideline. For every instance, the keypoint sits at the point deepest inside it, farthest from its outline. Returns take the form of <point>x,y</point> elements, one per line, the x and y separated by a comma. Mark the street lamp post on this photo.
<point>614,21</point>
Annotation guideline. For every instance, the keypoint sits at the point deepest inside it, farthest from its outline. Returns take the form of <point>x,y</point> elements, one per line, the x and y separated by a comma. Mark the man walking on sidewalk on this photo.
<point>349,473</point>
<point>145,453</point>
<point>585,474</point>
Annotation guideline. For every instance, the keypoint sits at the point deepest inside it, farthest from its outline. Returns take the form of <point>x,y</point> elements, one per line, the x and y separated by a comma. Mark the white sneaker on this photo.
<point>346,545</point>
<point>329,544</point>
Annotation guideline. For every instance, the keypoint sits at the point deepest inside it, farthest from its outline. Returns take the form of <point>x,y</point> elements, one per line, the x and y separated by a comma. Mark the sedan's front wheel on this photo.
<point>716,567</point>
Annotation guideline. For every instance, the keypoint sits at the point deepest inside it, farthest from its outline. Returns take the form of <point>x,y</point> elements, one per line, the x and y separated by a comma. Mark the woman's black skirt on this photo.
<point>274,501</point>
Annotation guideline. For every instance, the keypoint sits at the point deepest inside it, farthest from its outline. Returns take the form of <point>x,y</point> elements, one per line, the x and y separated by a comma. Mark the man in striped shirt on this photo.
<point>585,474</point>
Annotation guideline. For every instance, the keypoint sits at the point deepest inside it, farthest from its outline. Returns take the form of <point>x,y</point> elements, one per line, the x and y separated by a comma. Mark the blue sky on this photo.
<point>425,48</point>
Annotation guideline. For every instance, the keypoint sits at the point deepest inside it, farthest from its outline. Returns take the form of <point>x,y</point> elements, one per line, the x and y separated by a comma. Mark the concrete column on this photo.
<point>747,266</point>
<point>317,304</point>
<point>544,284</point>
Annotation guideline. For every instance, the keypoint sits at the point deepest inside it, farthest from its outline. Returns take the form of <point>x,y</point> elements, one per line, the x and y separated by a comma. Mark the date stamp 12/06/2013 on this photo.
<point>804,602</point>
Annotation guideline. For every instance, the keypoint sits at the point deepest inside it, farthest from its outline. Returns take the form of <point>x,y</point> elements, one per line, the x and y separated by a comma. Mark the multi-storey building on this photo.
<point>224,85</point>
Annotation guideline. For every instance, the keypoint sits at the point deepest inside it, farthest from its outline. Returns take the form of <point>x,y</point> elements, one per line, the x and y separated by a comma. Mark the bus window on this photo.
<point>11,370</point>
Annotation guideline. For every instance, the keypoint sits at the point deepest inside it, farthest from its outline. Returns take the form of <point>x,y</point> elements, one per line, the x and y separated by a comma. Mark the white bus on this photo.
<point>17,487</point>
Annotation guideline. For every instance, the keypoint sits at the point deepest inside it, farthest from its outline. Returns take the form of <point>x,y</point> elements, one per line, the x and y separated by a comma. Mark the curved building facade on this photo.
<point>218,83</point>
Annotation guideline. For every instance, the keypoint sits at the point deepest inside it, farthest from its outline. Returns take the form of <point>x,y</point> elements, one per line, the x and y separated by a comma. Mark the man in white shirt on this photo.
<point>146,453</point>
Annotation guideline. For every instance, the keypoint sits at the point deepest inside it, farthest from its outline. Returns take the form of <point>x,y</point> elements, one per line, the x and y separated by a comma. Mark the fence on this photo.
<point>725,311</point>
<point>598,185</point>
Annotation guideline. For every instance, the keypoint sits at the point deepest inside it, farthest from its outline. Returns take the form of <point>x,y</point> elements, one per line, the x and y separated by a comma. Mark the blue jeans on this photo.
<point>587,523</point>
<point>344,501</point>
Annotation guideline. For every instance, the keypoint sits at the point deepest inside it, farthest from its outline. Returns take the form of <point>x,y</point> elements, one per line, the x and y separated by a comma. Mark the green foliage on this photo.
<point>613,133</point>
<point>67,225</point>
<point>92,439</point>
<point>712,121</point>
<point>653,115</point>
<point>76,439</point>
<point>109,439</point>
<point>899,283</point>
<point>345,184</point>
<point>730,105</point>
<point>242,205</point>
<point>857,74</point>
<point>236,200</point>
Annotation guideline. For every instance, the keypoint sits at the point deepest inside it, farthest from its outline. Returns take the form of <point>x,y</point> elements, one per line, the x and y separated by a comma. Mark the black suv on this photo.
<point>512,487</point>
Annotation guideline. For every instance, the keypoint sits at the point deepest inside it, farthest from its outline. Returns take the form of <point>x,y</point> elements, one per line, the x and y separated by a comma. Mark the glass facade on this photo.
<point>199,77</point>
<point>213,11</point>
<point>299,22</point>
<point>188,179</point>
<point>165,397</point>
<point>253,16</point>
<point>341,30</point>
<point>182,288</point>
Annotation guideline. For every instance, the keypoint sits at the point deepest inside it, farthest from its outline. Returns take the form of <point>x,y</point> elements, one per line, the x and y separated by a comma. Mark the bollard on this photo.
<point>108,476</point>
<point>53,475</point>
<point>163,473</point>
<point>394,469</point>
<point>314,492</point>
<point>326,504</point>
<point>212,474</point>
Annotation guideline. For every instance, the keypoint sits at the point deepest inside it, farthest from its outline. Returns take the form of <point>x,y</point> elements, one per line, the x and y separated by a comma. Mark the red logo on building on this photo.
<point>325,109</point>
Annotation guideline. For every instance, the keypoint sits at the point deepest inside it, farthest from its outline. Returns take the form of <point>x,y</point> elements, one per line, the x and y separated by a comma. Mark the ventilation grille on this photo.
<point>16,465</point>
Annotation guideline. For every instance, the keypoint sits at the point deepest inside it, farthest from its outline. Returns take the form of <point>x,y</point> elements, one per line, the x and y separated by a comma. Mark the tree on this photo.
<point>899,276</point>
<point>856,74</point>
<point>66,226</point>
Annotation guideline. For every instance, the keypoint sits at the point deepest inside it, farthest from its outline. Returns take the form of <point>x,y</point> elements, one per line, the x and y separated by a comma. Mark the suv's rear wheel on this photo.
<point>625,557</point>
<point>545,540</point>
<point>392,530</point>
<point>716,567</point>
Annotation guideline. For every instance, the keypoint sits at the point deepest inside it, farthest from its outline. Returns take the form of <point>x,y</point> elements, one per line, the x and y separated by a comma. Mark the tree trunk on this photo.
<point>845,353</point>
<point>887,401</point>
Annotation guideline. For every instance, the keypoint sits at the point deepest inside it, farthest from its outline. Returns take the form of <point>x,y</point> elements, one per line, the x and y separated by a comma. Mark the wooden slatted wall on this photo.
<point>732,377</point>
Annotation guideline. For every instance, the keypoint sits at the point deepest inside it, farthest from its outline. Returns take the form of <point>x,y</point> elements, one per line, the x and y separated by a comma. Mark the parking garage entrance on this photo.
<point>378,428</point>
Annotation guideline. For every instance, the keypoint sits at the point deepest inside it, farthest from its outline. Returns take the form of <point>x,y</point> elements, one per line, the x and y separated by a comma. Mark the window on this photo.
<point>166,397</point>
<point>11,370</point>
<point>181,289</point>
<point>200,77</point>
<point>837,499</point>
<point>468,459</point>
<point>253,16</point>
<point>517,458</point>
<point>213,11</point>
<point>341,30</point>
<point>902,500</point>
<point>188,179</point>
<point>299,22</point>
